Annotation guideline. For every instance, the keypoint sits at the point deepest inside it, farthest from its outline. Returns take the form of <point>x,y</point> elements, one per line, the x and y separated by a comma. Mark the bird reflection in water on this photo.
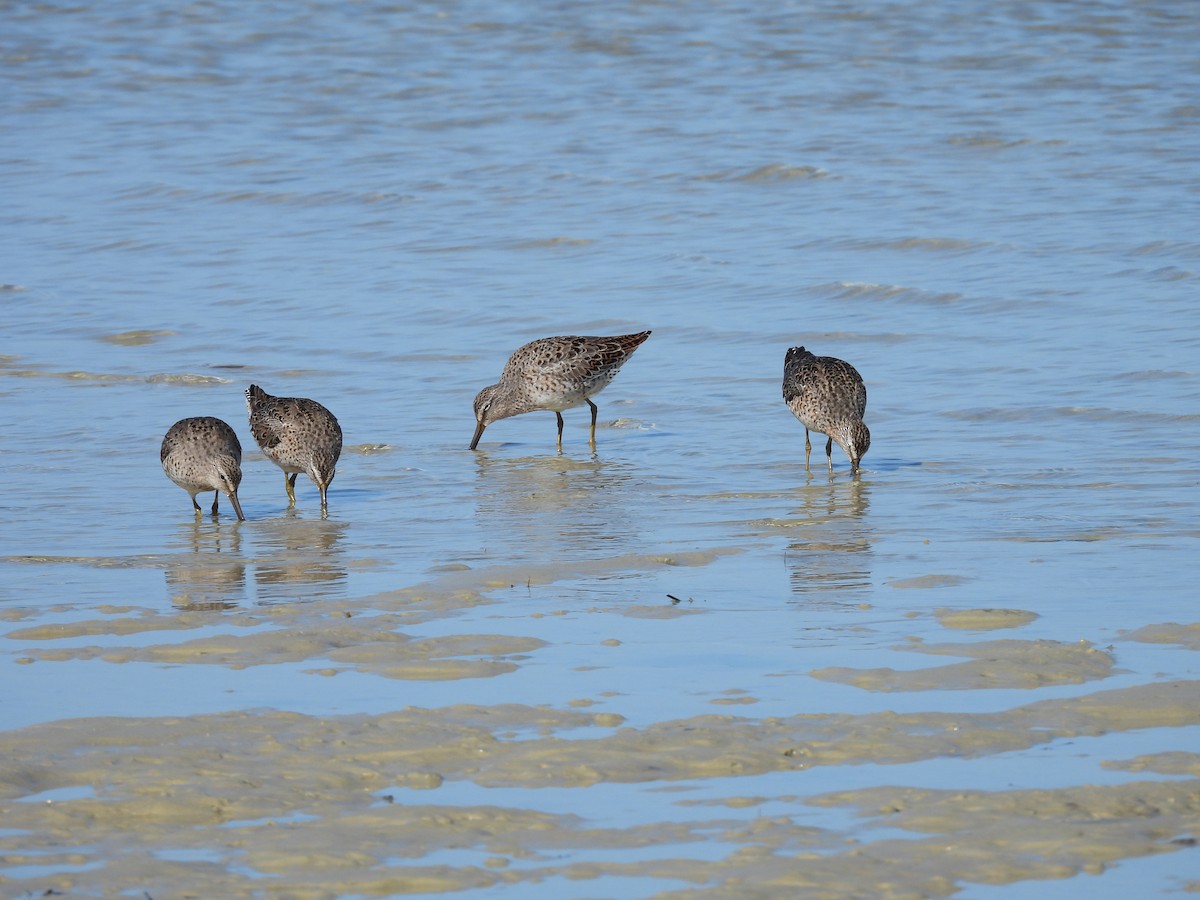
<point>299,558</point>
<point>210,573</point>
<point>547,507</point>
<point>830,553</point>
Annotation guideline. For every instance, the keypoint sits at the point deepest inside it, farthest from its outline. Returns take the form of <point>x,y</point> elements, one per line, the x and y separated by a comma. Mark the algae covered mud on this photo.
<point>678,664</point>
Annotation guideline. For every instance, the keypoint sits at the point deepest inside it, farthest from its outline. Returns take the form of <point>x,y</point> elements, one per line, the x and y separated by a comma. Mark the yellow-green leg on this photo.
<point>560,428</point>
<point>807,447</point>
<point>289,485</point>
<point>594,411</point>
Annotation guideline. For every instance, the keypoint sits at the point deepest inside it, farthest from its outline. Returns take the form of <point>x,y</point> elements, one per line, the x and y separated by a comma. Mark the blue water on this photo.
<point>989,208</point>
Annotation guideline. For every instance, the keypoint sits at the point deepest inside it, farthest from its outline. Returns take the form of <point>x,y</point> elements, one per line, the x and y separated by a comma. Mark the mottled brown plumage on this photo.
<point>828,396</point>
<point>298,435</point>
<point>204,454</point>
<point>554,373</point>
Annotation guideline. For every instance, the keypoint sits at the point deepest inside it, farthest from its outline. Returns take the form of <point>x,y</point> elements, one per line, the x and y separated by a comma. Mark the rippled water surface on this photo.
<point>989,208</point>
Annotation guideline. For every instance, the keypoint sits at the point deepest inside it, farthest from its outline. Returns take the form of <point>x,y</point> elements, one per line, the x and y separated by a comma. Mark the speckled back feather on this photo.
<point>824,384</point>
<point>274,419</point>
<point>570,365</point>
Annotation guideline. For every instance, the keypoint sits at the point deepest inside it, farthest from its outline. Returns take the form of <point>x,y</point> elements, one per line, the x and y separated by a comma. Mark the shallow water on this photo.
<point>989,209</point>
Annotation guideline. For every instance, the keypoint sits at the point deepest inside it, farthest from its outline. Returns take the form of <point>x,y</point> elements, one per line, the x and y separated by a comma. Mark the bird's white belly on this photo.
<point>558,395</point>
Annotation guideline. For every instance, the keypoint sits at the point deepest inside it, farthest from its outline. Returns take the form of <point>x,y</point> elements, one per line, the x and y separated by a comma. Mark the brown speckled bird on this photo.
<point>204,454</point>
<point>554,373</point>
<point>298,435</point>
<point>828,396</point>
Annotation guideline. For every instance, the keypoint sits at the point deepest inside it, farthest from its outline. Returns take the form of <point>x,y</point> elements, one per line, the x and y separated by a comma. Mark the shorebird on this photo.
<point>204,454</point>
<point>828,396</point>
<point>298,435</point>
<point>554,373</point>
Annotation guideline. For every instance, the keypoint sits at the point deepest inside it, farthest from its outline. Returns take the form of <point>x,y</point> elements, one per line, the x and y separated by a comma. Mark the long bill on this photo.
<point>237,507</point>
<point>478,434</point>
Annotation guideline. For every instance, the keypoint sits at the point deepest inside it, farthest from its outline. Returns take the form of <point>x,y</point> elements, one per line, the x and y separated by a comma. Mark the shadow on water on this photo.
<point>299,558</point>
<point>545,507</point>
<point>831,552</point>
<point>211,572</point>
